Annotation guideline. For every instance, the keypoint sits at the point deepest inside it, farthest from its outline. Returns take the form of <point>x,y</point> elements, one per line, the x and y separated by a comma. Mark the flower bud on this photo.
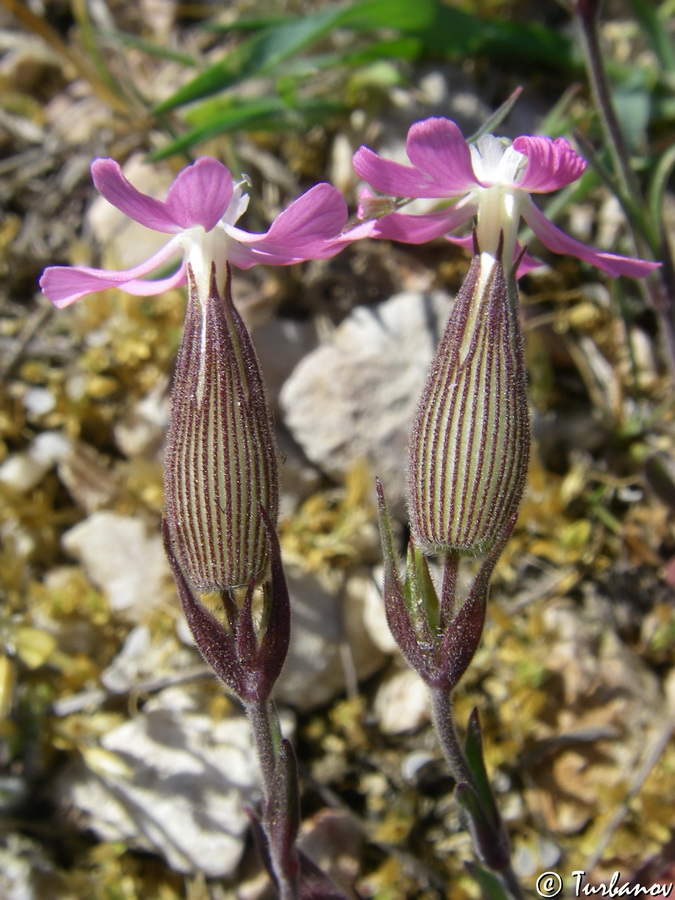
<point>469,446</point>
<point>221,459</point>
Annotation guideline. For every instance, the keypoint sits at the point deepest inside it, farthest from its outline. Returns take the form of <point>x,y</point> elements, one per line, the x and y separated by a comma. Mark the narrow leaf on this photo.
<point>657,31</point>
<point>657,188</point>
<point>490,886</point>
<point>497,117</point>
<point>401,14</point>
<point>473,751</point>
<point>282,812</point>
<point>276,638</point>
<point>488,841</point>
<point>255,56</point>
<point>315,884</point>
<point>427,604</point>
<point>396,609</point>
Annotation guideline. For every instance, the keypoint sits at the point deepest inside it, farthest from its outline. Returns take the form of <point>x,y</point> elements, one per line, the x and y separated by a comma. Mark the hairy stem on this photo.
<point>265,727</point>
<point>446,729</point>
<point>588,19</point>
<point>267,735</point>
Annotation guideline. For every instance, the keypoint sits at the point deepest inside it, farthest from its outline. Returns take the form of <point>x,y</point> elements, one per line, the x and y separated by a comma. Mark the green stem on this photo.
<point>446,729</point>
<point>444,723</point>
<point>265,727</point>
<point>266,735</point>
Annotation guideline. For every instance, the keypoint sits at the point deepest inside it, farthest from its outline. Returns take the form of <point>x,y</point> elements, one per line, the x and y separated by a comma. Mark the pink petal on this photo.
<point>199,195</point>
<point>418,229</point>
<point>393,178</point>
<point>556,240</point>
<point>111,184</point>
<point>527,263</point>
<point>310,228</point>
<point>437,147</point>
<point>64,285</point>
<point>465,241</point>
<point>550,164</point>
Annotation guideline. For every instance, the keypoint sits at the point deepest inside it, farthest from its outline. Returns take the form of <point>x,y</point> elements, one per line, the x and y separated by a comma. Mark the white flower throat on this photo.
<point>499,167</point>
<point>204,249</point>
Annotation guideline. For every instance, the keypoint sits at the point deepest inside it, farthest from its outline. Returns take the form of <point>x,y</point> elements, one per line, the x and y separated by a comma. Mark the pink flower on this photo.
<point>491,180</point>
<point>201,208</point>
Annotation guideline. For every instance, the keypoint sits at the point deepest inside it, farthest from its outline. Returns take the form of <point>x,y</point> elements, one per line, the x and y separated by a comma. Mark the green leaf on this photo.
<point>657,187</point>
<point>473,751</point>
<point>497,116</point>
<point>258,55</point>
<point>266,50</point>
<point>632,102</point>
<point>240,24</point>
<point>454,34</point>
<point>426,591</point>
<point>490,886</point>
<point>656,31</point>
<point>403,48</point>
<point>266,114</point>
<point>400,14</point>
<point>162,52</point>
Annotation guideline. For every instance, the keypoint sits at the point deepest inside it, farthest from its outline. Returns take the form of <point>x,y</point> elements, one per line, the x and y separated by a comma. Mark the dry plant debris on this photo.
<point>574,681</point>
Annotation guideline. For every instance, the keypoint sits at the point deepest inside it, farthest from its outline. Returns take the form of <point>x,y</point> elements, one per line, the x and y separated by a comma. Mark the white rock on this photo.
<point>330,648</point>
<point>280,344</point>
<point>119,676</point>
<point>298,479</point>
<point>123,561</point>
<point>38,401</point>
<point>402,703</point>
<point>23,471</point>
<point>143,429</point>
<point>26,873</point>
<point>374,616</point>
<point>355,397</point>
<point>170,782</point>
<point>413,763</point>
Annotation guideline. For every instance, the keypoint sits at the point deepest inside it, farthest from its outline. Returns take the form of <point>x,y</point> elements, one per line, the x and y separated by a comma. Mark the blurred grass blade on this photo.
<point>403,48</point>
<point>88,33</point>
<point>490,886</point>
<point>266,50</point>
<point>401,14</point>
<point>256,56</point>
<point>242,24</point>
<point>265,114</point>
<point>455,34</point>
<point>632,99</point>
<point>497,116</point>
<point>157,50</point>
<point>657,32</point>
<point>657,187</point>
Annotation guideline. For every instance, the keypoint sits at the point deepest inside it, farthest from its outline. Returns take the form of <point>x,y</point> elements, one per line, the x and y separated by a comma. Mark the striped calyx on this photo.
<point>470,441</point>
<point>221,457</point>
